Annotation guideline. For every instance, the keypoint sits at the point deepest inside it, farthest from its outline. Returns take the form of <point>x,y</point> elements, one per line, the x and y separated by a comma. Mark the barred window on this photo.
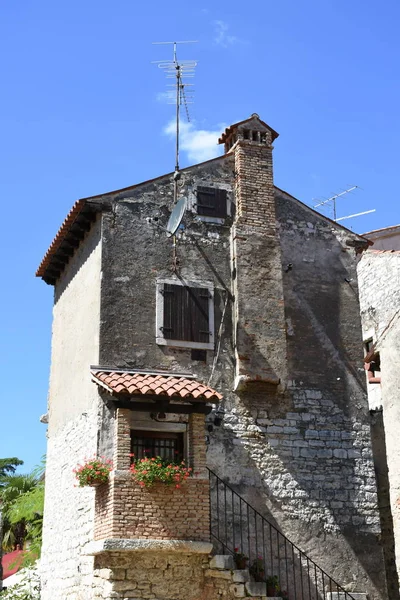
<point>149,444</point>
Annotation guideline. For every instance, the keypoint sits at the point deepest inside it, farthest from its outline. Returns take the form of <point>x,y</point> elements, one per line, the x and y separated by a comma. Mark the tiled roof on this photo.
<point>80,217</point>
<point>140,384</point>
<point>387,230</point>
<point>373,251</point>
<point>231,128</point>
<point>69,219</point>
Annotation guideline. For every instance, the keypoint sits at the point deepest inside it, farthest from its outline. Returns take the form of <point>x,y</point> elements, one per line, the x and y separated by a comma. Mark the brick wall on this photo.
<point>255,186</point>
<point>197,447</point>
<point>125,510</point>
<point>256,264</point>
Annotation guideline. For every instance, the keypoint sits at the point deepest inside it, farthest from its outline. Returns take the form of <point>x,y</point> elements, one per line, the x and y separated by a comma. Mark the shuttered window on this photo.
<point>211,202</point>
<point>186,313</point>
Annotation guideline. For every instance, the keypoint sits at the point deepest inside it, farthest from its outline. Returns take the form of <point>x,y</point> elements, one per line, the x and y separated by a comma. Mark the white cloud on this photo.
<point>165,97</point>
<point>221,35</point>
<point>198,144</point>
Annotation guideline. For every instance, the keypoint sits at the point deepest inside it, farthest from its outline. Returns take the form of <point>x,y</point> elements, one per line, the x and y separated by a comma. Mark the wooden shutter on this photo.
<point>198,313</point>
<point>211,202</point>
<point>186,313</point>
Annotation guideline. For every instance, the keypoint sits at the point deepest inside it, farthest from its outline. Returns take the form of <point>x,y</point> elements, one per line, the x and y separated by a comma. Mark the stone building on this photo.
<point>379,284</point>
<point>243,330</point>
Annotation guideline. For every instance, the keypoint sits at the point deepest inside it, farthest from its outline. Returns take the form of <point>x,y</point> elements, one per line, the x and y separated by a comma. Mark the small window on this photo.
<point>372,362</point>
<point>149,444</point>
<point>211,202</point>
<point>185,315</point>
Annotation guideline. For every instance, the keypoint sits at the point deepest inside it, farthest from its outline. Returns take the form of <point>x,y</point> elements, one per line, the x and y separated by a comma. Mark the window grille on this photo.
<point>167,445</point>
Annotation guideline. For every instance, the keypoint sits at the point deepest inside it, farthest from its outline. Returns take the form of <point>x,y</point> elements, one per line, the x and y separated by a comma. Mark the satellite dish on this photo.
<point>176,216</point>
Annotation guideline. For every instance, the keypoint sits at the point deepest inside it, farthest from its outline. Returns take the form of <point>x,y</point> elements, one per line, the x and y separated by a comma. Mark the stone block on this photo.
<point>237,590</point>
<point>222,561</point>
<point>241,576</point>
<point>218,574</point>
<point>257,588</point>
<point>344,596</point>
<point>123,586</point>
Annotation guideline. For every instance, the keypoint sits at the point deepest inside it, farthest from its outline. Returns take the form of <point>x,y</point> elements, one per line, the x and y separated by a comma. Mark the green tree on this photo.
<point>8,466</point>
<point>13,488</point>
<point>22,499</point>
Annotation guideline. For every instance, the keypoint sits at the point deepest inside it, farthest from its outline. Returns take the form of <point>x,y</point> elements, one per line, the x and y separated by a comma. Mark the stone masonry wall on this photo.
<point>389,347</point>
<point>170,576</point>
<point>379,284</point>
<point>315,480</point>
<point>68,514</point>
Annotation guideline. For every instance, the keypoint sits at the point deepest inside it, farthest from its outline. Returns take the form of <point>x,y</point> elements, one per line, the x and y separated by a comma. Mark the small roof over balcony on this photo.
<point>141,390</point>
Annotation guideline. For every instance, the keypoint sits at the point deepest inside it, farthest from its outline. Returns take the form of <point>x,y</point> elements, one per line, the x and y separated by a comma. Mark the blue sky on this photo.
<point>81,114</point>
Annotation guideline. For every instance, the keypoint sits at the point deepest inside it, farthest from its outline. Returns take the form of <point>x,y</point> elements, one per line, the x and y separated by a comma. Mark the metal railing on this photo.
<point>237,528</point>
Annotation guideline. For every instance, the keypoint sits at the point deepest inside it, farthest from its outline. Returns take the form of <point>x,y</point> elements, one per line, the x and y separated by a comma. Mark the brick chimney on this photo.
<point>256,258</point>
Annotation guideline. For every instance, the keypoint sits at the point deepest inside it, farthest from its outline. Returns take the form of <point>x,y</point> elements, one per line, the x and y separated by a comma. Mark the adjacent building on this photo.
<point>379,282</point>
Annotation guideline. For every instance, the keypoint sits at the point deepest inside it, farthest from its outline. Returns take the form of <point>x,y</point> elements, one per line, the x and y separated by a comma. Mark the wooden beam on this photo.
<point>185,409</point>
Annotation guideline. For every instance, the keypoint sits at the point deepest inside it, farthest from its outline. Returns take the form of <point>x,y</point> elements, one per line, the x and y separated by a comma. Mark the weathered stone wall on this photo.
<point>69,513</point>
<point>382,479</point>
<point>379,281</point>
<point>301,453</point>
<point>168,575</point>
<point>389,347</point>
<point>73,425</point>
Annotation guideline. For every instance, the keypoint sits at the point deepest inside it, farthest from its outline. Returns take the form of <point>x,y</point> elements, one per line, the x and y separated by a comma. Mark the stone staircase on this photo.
<point>232,582</point>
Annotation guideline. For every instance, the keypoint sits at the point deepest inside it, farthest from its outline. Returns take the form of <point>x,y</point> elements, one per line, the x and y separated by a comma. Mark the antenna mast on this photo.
<point>334,198</point>
<point>178,70</point>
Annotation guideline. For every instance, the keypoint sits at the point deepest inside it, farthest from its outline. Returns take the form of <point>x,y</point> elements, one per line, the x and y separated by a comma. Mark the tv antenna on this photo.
<point>333,199</point>
<point>179,70</point>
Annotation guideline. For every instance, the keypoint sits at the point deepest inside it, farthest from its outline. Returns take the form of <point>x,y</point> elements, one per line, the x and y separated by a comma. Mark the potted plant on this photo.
<point>273,587</point>
<point>93,472</point>
<point>257,569</point>
<point>240,559</point>
<point>148,471</point>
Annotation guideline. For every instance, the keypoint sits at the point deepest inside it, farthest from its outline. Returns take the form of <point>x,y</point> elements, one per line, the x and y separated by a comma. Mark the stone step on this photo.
<point>223,562</point>
<point>256,588</point>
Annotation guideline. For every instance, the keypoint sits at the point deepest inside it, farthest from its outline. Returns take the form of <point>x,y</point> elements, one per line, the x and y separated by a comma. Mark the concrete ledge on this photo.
<point>124,545</point>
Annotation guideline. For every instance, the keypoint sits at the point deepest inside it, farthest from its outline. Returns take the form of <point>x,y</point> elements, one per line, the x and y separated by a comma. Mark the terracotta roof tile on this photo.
<point>69,219</point>
<point>139,384</point>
